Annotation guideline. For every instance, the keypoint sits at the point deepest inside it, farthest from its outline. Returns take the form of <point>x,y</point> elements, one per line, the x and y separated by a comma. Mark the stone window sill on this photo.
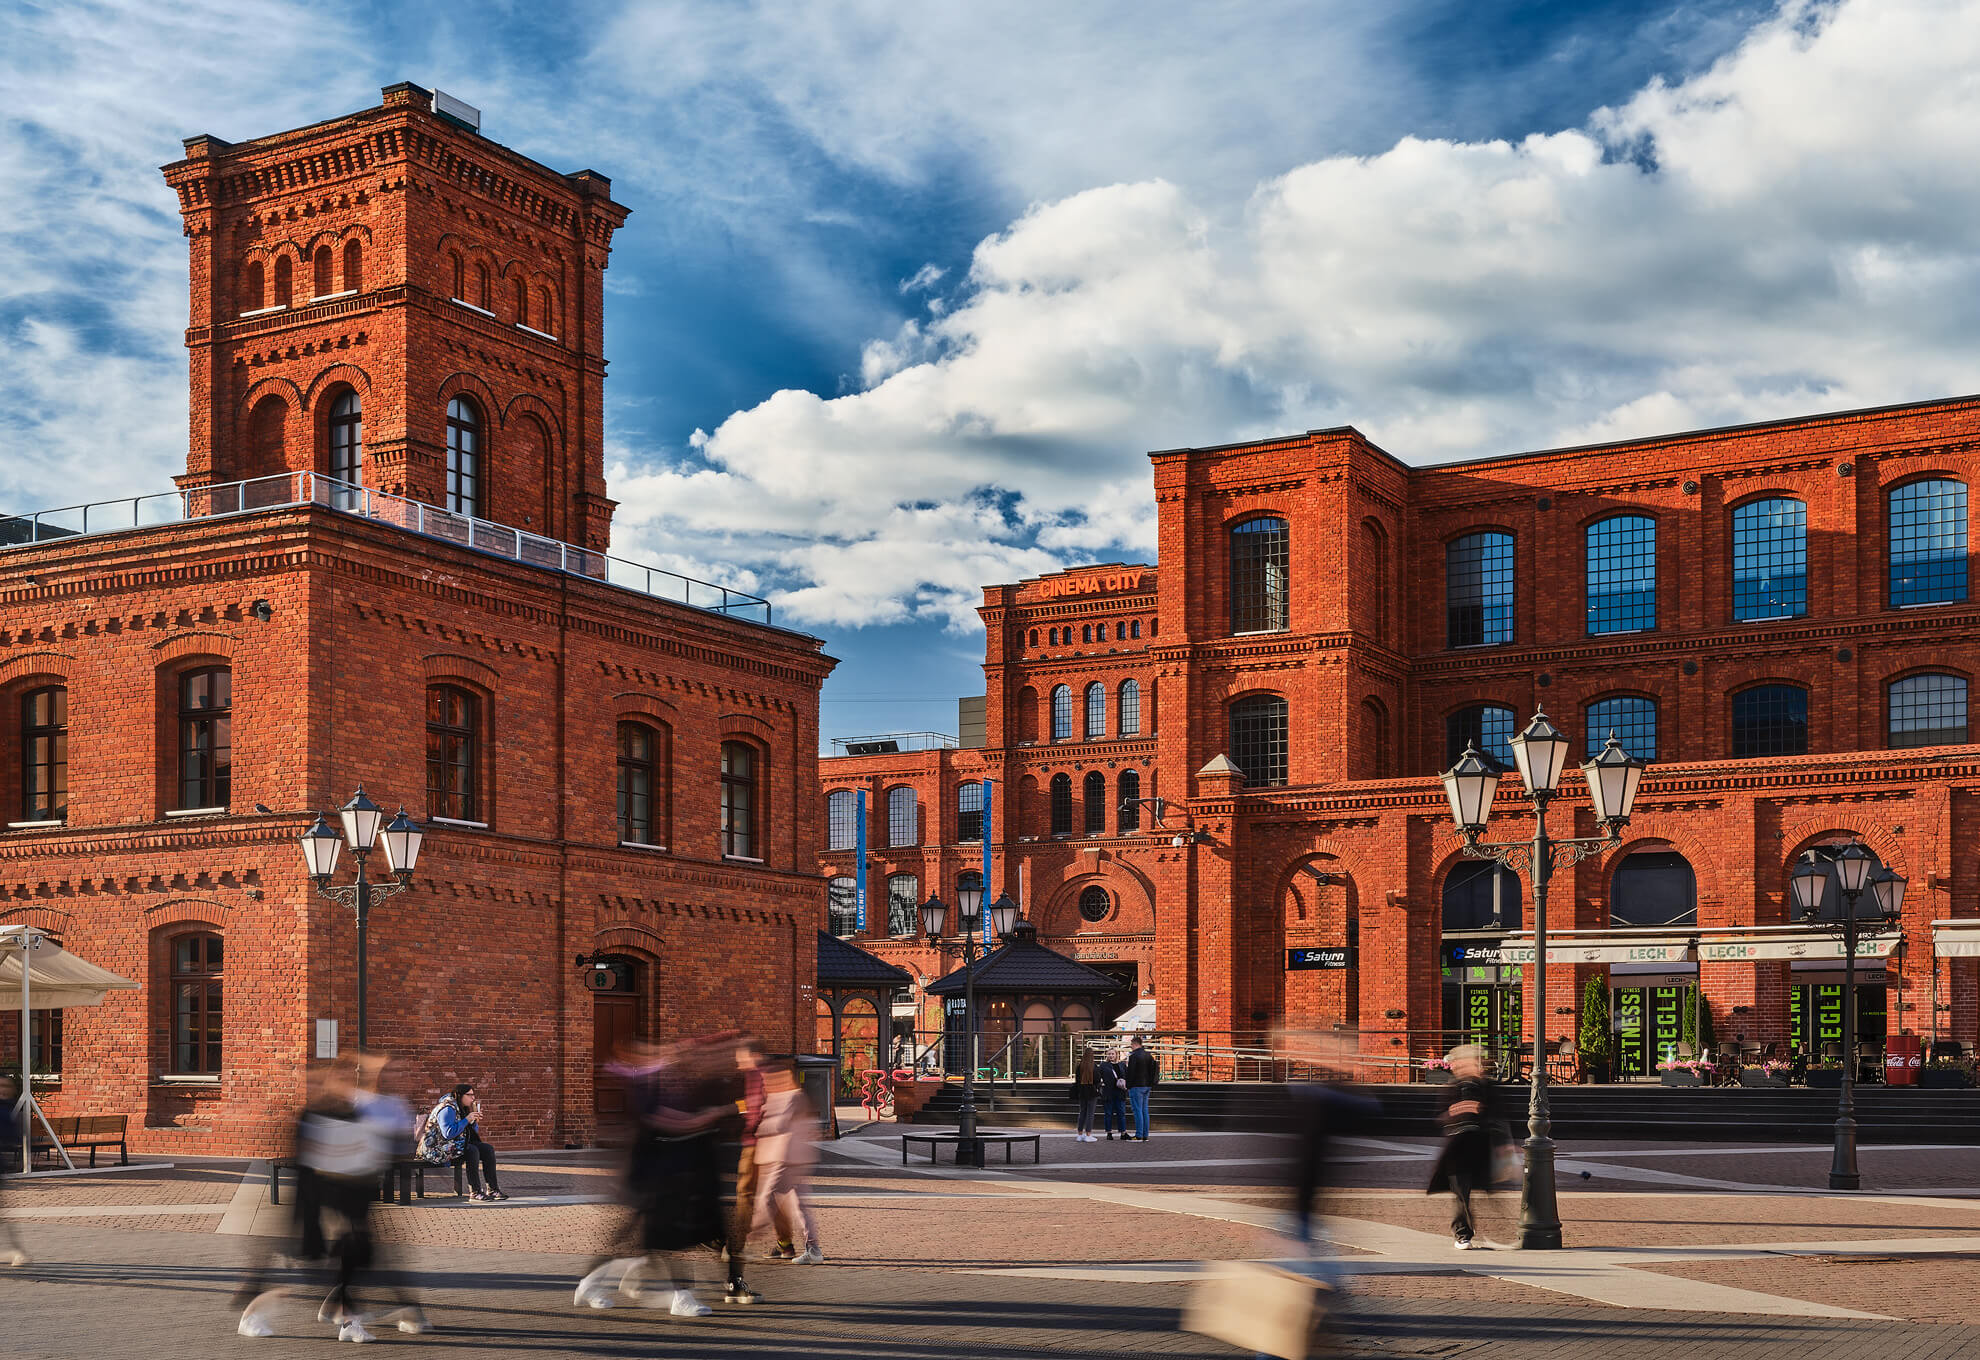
<point>743,859</point>
<point>196,812</point>
<point>642,845</point>
<point>457,821</point>
<point>478,311</point>
<point>37,826</point>
<point>187,1081</point>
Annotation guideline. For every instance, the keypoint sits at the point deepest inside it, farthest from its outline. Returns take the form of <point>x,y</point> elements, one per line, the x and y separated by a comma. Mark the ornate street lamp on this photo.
<point>1855,870</point>
<point>1541,753</point>
<point>321,846</point>
<point>934,918</point>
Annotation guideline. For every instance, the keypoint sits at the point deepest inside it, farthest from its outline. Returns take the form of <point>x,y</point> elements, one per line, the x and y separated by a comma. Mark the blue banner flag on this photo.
<point>859,855</point>
<point>984,909</point>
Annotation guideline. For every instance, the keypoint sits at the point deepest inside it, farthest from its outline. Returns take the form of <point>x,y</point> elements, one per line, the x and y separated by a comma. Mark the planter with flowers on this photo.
<point>1436,1071</point>
<point>1947,1073</point>
<point>1686,1072</point>
<point>1773,1072</point>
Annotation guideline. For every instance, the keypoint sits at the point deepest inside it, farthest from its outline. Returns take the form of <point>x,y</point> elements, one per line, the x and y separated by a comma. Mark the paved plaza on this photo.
<point>1717,1250</point>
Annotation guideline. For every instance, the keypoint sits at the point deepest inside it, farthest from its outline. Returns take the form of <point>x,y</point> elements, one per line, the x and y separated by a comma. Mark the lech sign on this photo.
<point>1319,956</point>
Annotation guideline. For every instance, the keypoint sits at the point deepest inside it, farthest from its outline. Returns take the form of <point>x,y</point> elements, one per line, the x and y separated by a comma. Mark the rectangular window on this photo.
<point>841,820</point>
<point>1770,720</point>
<point>637,759</point>
<point>842,907</point>
<point>206,738</point>
<point>903,904</point>
<point>45,1043</point>
<point>452,754</point>
<point>903,818</point>
<point>196,983</point>
<point>1261,568</point>
<point>45,755</point>
<point>739,800</point>
<point>969,813</point>
<point>1928,710</point>
<point>1928,543</point>
<point>1478,590</point>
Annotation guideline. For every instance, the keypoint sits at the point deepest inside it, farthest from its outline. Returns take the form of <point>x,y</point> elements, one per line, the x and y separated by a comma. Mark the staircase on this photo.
<point>1582,1113</point>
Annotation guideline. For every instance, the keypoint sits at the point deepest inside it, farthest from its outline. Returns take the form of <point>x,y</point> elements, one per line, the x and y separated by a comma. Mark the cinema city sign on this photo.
<point>1090,585</point>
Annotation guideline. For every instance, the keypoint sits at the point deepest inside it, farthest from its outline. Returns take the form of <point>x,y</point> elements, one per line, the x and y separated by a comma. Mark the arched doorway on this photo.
<point>1651,888</point>
<point>615,1021</point>
<point>859,1042</point>
<point>1483,995</point>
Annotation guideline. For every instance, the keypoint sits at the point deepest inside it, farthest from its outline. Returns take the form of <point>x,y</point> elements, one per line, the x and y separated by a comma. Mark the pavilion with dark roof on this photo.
<point>1024,988</point>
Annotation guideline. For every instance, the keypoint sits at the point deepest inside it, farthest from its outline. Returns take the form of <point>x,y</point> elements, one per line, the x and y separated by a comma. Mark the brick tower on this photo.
<point>448,284</point>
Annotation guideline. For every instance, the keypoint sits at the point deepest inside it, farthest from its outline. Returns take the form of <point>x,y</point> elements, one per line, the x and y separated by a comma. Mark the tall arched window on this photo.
<point>1258,739</point>
<point>484,294</point>
<point>1129,803</point>
<point>1134,628</point>
<point>642,798</point>
<point>1062,805</point>
<point>1086,633</point>
<point>460,275</point>
<point>1093,794</point>
<point>1096,711</point>
<point>1052,637</point>
<point>903,817</point>
<point>1261,563</point>
<point>1130,708</point>
<point>196,985</point>
<point>1480,896</point>
<point>742,802</point>
<point>254,288</point>
<point>45,754</point>
<point>1770,559</point>
<point>903,904</point>
<point>1631,717</point>
<point>1062,713</point>
<point>1033,640</point>
<point>1489,727</point>
<point>969,813</point>
<point>1928,710</point>
<point>347,439</point>
<point>322,281</point>
<point>353,267</point>
<point>1374,576</point>
<point>1653,888</point>
<point>1478,590</point>
<point>841,820</point>
<point>285,281</point>
<point>206,737</point>
<point>1927,537</point>
<point>453,753</point>
<point>1622,574</point>
<point>521,293</point>
<point>463,457</point>
<point>1770,720</point>
<point>842,906</point>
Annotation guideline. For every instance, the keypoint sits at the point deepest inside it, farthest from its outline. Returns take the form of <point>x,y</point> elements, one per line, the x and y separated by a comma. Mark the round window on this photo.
<point>1094,904</point>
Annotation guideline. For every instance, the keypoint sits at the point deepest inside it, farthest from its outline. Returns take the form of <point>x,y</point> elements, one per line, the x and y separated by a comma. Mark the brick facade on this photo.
<point>1356,845</point>
<point>336,626</point>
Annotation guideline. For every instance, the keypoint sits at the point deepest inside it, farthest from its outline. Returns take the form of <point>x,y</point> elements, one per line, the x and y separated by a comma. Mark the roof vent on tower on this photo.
<point>457,111</point>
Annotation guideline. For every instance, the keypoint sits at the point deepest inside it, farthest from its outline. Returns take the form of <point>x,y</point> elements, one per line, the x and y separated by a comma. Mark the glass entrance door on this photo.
<point>1815,1017</point>
<point>1649,1023</point>
<point>1486,1014</point>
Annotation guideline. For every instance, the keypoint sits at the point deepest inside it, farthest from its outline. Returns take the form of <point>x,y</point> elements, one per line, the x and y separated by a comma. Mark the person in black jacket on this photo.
<point>1110,1077</point>
<point>1142,1077</point>
<point>1465,1162</point>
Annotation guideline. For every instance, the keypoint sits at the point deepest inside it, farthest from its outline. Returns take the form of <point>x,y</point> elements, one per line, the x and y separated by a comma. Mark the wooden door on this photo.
<point>614,1019</point>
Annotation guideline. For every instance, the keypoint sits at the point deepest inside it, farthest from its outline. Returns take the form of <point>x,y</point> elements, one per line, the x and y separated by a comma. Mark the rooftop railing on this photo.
<point>429,521</point>
<point>892,743</point>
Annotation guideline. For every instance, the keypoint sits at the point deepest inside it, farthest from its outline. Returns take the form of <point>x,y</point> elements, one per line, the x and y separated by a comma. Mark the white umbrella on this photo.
<point>36,970</point>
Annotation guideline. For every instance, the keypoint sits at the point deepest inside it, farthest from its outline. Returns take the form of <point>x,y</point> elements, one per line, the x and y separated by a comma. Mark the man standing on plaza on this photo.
<point>1141,1077</point>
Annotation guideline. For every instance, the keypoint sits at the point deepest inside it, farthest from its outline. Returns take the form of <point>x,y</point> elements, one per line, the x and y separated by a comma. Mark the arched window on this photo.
<point>1770,559</point>
<point>453,753</point>
<point>903,903</point>
<point>1927,538</point>
<point>742,805</point>
<point>1027,716</point>
<point>1033,640</point>
<point>903,817</point>
<point>969,813</point>
<point>322,284</point>
<point>353,267</point>
<point>1374,575</point>
<point>1086,633</point>
<point>196,982</point>
<point>641,797</point>
<point>460,276</point>
<point>1130,802</point>
<point>1093,794</point>
<point>1134,628</point>
<point>1096,711</point>
<point>1261,590</point>
<point>1928,710</point>
<point>267,437</point>
<point>484,295</point>
<point>285,281</point>
<point>1481,896</point>
<point>841,820</point>
<point>1095,905</point>
<point>206,737</point>
<point>1653,888</point>
<point>1632,718</point>
<point>521,293</point>
<point>1478,590</point>
<point>463,457</point>
<point>1062,713</point>
<point>1052,637</point>
<point>45,754</point>
<point>1062,805</point>
<point>1489,727</point>
<point>842,906</point>
<point>347,439</point>
<point>254,288</point>
<point>1130,706</point>
<point>1258,739</point>
<point>1770,720</point>
<point>1375,739</point>
<point>1622,574</point>
<point>546,313</point>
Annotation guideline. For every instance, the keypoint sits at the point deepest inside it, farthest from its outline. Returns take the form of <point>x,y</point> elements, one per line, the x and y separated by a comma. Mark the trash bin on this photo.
<point>1902,1059</point>
<point>818,1073</point>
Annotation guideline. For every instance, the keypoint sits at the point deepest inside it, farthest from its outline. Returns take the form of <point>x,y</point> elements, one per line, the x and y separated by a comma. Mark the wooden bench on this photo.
<point>401,1173</point>
<point>936,1140</point>
<point>78,1131</point>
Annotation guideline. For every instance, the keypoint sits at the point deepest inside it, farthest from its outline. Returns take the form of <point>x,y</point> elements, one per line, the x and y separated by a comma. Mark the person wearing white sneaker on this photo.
<point>1086,1090</point>
<point>786,1148</point>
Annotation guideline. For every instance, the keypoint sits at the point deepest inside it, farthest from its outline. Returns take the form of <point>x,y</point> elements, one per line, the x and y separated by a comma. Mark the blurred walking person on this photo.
<point>1086,1090</point>
<point>786,1150</point>
<point>1111,1077</point>
<point>13,1114</point>
<point>1142,1077</point>
<point>749,1059</point>
<point>1465,1163</point>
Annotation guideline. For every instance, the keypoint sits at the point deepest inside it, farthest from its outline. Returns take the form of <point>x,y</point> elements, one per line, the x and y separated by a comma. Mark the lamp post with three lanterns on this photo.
<point>1541,753</point>
<point>934,922</point>
<point>322,844</point>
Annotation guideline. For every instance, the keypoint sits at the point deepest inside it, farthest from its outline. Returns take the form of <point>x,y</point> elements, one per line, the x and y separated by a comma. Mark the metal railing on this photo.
<point>893,743</point>
<point>430,521</point>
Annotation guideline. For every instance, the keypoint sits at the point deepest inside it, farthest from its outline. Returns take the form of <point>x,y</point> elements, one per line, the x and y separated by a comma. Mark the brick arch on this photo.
<point>445,666</point>
<point>640,941</point>
<point>205,911</point>
<point>272,386</point>
<point>34,665</point>
<point>1910,475</point>
<point>1323,848</point>
<point>1781,493</point>
<point>195,644</point>
<point>633,703</point>
<point>1822,825</point>
<point>1134,912</point>
<point>345,374</point>
<point>1674,832</point>
<point>1488,526</point>
<point>529,404</point>
<point>735,724</point>
<point>1655,514</point>
<point>463,383</point>
<point>1245,516</point>
<point>51,919</point>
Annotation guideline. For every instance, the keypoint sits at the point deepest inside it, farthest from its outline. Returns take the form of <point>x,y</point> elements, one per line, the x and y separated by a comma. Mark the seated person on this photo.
<point>457,1119</point>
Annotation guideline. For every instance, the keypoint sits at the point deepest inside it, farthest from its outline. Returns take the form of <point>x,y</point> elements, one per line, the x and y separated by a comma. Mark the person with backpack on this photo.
<point>451,1133</point>
<point>1111,1080</point>
<point>1142,1076</point>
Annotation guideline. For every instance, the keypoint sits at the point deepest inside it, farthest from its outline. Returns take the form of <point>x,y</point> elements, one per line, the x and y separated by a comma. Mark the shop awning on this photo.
<point>1740,947</point>
<point>1956,939</point>
<point>1602,947</point>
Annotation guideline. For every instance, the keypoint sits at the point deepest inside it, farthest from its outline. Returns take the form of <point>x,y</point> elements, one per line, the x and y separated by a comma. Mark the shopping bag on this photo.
<point>1257,1307</point>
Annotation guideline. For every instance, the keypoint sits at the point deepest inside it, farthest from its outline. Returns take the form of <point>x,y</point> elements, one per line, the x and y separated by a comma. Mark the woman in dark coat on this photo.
<point>1086,1090</point>
<point>1470,1139</point>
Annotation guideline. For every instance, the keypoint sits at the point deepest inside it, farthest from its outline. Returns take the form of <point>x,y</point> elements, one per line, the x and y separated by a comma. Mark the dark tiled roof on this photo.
<point>847,965</point>
<point>1022,964</point>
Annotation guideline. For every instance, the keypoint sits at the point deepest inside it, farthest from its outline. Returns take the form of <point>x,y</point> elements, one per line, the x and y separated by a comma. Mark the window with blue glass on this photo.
<point>1062,710</point>
<point>1770,559</point>
<point>1928,542</point>
<point>1622,574</point>
<point>1770,720</point>
<point>1928,710</point>
<point>1478,589</point>
<point>1489,727</point>
<point>1631,717</point>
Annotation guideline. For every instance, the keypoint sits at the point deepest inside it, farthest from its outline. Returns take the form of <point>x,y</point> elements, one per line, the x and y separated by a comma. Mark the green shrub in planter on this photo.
<point>1595,1038</point>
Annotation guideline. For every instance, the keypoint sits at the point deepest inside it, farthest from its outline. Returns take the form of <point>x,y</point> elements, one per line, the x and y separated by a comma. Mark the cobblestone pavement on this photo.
<point>1709,1251</point>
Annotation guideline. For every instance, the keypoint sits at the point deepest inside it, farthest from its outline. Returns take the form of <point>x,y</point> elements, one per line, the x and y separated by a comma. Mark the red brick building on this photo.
<point>386,565</point>
<point>1778,615</point>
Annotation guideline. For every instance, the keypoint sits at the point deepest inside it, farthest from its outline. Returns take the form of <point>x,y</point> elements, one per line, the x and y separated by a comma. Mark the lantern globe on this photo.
<point>320,847</point>
<point>361,818</point>
<point>1853,865</point>
<point>1470,785</point>
<point>934,917</point>
<point>1889,887</point>
<point>1540,751</point>
<point>1613,777</point>
<point>1003,916</point>
<point>969,899</point>
<point>1810,883</point>
<point>402,838</point>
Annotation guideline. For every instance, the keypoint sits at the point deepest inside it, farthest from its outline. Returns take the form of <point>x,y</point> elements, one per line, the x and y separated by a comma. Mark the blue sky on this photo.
<point>908,291</point>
